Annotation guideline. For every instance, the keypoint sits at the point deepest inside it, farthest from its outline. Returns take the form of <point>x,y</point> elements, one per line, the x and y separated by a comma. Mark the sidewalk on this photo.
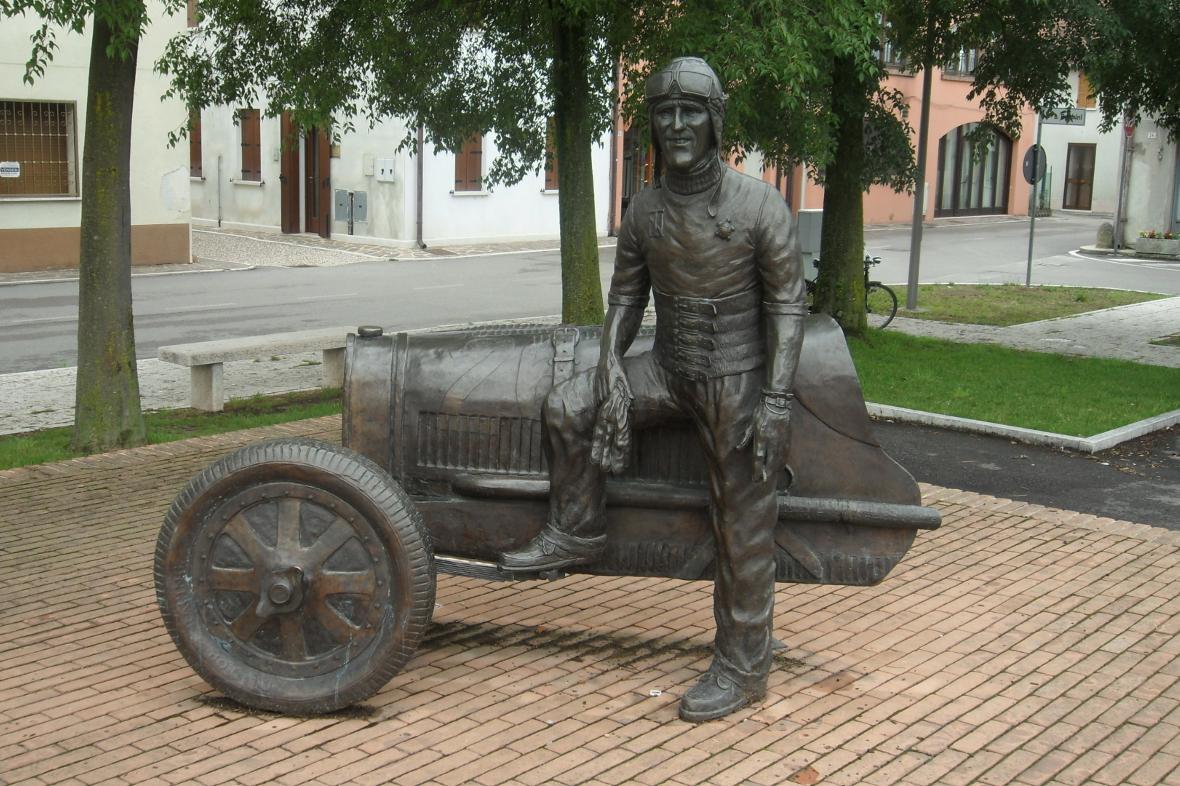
<point>42,399</point>
<point>1017,644</point>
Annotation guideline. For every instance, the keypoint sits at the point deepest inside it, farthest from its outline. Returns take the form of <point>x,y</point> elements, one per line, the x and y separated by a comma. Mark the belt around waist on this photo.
<point>703,338</point>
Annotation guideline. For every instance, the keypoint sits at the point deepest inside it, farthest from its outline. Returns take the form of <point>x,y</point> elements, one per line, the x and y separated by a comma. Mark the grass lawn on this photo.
<point>37,447</point>
<point>1068,395</point>
<point>1011,304</point>
<point>1168,341</point>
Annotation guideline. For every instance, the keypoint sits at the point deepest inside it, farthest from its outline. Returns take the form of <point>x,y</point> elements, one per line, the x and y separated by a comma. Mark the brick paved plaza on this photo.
<point>1017,644</point>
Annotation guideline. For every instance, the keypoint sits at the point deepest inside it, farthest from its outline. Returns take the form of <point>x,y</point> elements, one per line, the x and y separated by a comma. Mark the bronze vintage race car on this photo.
<point>298,576</point>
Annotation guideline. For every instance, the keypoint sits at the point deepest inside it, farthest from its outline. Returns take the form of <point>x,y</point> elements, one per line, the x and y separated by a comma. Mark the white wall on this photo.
<point>159,174</point>
<point>220,190</point>
<point>1151,186</point>
<point>355,170</point>
<point>524,211</point>
<point>1056,140</point>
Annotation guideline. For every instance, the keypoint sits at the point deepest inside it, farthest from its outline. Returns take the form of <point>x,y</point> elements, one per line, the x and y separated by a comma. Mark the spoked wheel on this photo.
<point>880,301</point>
<point>295,576</point>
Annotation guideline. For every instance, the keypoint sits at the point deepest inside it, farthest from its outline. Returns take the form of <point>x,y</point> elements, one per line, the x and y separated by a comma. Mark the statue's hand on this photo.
<point>770,432</point>
<point>612,428</point>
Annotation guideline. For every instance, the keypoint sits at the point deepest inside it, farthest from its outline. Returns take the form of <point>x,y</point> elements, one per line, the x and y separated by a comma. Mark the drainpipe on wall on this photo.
<point>219,192</point>
<point>420,178</point>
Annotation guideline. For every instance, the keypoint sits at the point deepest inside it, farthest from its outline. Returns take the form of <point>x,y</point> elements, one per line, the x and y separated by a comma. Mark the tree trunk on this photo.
<point>840,288</point>
<point>106,409</point>
<point>581,288</point>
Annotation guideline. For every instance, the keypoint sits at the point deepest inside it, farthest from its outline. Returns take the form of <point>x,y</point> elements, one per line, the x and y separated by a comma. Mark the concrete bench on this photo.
<point>205,358</point>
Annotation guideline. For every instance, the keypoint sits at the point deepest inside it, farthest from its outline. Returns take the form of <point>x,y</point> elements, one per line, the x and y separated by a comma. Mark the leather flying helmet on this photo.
<point>692,78</point>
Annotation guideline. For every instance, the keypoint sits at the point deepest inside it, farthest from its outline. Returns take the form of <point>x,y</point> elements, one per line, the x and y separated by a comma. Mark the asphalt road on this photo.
<point>1136,481</point>
<point>38,324</point>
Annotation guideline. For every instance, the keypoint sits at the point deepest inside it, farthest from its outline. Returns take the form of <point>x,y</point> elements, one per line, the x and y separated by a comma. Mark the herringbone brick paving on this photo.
<point>1017,644</point>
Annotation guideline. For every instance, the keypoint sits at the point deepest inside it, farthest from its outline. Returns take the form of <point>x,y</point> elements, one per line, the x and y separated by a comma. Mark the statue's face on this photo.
<point>685,132</point>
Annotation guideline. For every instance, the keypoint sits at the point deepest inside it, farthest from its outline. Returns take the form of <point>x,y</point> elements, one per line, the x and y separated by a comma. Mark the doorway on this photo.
<point>289,177</point>
<point>970,183</point>
<point>317,189</point>
<point>1079,177</point>
<point>305,192</point>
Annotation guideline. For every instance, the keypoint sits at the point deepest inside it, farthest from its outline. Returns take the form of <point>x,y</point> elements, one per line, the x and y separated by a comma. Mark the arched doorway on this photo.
<point>968,185</point>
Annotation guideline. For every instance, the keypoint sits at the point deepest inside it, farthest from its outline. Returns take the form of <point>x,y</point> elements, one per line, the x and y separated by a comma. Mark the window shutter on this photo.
<point>251,123</point>
<point>469,165</point>
<point>1085,92</point>
<point>194,145</point>
<point>550,157</point>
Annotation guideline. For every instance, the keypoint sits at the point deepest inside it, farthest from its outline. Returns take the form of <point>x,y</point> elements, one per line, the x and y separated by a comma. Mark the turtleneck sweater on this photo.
<point>706,175</point>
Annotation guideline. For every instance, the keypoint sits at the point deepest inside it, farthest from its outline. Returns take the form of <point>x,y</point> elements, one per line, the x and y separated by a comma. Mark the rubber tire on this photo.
<point>384,506</point>
<point>886,301</point>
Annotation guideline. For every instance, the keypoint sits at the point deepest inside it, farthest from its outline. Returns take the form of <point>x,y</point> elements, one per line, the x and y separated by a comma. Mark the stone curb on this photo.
<point>1027,436</point>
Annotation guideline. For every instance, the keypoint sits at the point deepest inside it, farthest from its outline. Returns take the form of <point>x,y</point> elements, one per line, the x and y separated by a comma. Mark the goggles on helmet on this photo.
<point>690,83</point>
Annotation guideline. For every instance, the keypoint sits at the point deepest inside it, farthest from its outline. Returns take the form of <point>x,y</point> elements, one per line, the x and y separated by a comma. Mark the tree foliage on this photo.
<point>1128,50</point>
<point>776,59</point>
<point>457,67</point>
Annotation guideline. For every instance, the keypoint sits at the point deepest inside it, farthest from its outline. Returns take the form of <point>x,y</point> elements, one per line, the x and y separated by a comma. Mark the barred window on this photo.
<point>38,149</point>
<point>469,165</point>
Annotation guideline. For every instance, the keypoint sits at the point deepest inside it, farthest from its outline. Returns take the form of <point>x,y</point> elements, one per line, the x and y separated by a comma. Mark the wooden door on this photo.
<point>289,175</point>
<point>317,186</point>
<point>1079,177</point>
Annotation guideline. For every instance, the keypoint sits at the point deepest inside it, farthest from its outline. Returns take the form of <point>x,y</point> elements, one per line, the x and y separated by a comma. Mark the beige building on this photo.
<point>42,134</point>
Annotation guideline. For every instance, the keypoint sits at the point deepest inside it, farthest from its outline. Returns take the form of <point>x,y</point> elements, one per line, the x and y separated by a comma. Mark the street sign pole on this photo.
<point>1033,205</point>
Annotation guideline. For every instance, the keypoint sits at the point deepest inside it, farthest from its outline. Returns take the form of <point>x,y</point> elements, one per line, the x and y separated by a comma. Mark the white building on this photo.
<point>1085,167</point>
<point>244,177</point>
<point>42,130</point>
<point>1083,162</point>
<point>1153,182</point>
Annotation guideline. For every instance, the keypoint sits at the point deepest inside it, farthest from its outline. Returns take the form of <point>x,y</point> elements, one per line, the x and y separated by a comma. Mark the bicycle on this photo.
<point>880,299</point>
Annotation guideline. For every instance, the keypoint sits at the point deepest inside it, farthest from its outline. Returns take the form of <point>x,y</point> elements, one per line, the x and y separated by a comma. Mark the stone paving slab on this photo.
<point>1018,644</point>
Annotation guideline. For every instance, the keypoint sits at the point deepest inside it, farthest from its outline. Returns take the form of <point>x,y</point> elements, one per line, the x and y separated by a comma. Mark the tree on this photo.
<point>804,83</point>
<point>107,409</point>
<point>458,68</point>
<point>1128,50</point>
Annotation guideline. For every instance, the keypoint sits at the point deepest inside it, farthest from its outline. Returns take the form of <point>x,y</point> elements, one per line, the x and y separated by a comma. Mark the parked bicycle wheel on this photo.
<point>881,301</point>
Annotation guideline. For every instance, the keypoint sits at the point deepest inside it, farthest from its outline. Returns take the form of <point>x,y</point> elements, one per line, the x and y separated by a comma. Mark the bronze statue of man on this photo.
<point>718,251</point>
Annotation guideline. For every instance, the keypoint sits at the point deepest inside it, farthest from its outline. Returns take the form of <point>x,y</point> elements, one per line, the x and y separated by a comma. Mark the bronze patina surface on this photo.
<point>729,442</point>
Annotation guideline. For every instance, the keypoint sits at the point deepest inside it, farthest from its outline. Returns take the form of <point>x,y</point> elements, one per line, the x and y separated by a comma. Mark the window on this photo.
<point>469,165</point>
<point>551,157</point>
<point>1086,99</point>
<point>251,122</point>
<point>891,56</point>
<point>971,182</point>
<point>38,149</point>
<point>963,65</point>
<point>194,145</point>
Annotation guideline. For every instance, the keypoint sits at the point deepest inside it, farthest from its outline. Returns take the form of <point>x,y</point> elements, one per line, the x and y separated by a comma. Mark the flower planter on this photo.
<point>1157,246</point>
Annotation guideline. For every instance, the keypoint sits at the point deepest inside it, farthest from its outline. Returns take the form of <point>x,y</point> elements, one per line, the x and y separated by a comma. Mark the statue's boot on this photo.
<point>552,550</point>
<point>719,692</point>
